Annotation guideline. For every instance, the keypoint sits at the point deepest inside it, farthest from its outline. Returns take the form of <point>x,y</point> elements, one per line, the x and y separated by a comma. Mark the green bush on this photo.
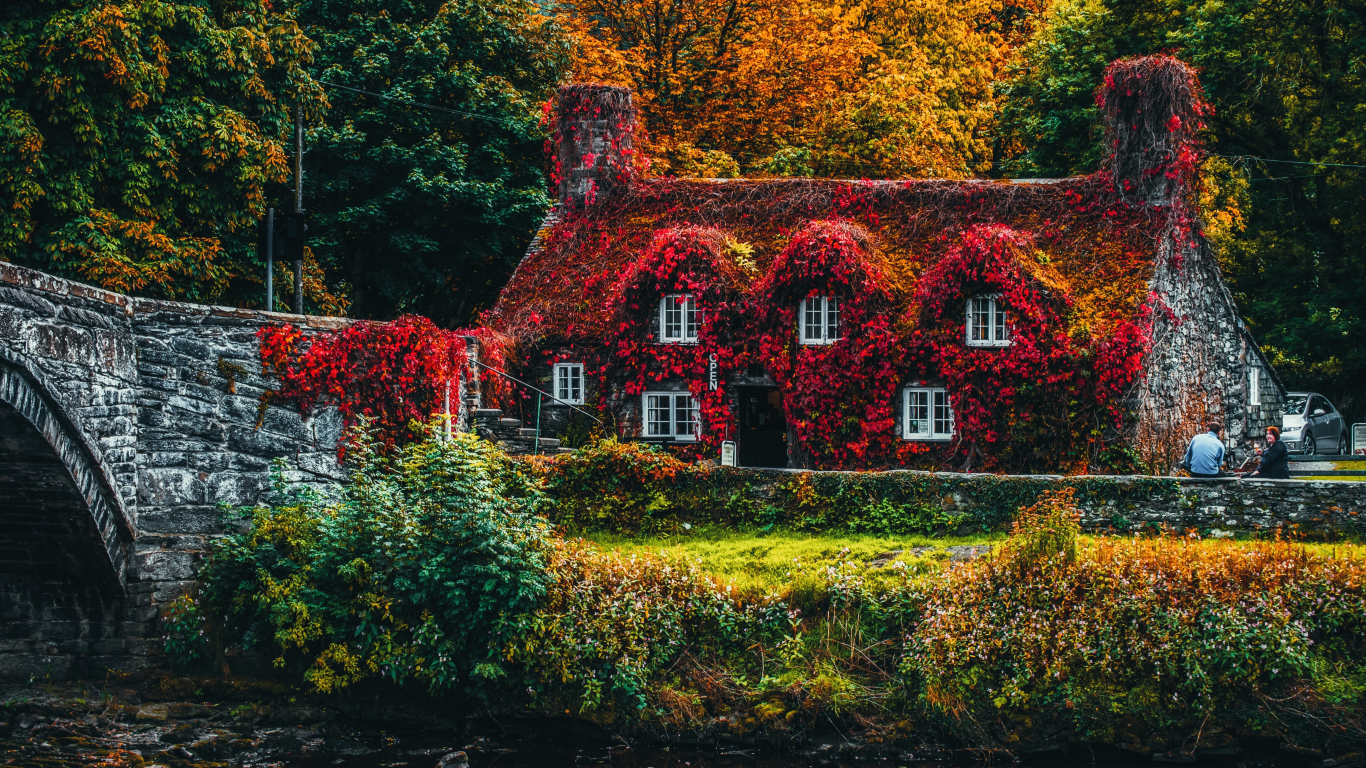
<point>184,625</point>
<point>413,573</point>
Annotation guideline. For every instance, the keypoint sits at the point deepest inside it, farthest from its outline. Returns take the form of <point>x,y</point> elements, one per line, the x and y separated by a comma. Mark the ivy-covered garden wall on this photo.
<point>629,487</point>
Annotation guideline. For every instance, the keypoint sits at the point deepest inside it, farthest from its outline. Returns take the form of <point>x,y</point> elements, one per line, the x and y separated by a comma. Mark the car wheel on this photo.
<point>1309,448</point>
<point>1343,447</point>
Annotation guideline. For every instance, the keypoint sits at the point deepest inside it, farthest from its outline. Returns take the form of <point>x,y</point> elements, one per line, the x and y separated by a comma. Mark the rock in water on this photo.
<point>454,760</point>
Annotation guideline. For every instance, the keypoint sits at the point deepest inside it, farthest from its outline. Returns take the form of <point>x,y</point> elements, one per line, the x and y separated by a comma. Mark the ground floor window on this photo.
<point>670,414</point>
<point>569,383</point>
<point>926,414</point>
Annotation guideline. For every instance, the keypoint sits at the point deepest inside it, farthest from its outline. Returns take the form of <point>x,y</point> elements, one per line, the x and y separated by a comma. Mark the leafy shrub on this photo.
<point>1164,629</point>
<point>612,485</point>
<point>611,623</point>
<point>632,488</point>
<point>413,573</point>
<point>435,569</point>
<point>183,623</point>
<point>1046,532</point>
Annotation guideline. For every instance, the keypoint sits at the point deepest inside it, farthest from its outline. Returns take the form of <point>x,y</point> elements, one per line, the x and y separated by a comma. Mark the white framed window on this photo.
<point>569,383</point>
<point>1254,386</point>
<point>818,320</point>
<point>987,326</point>
<point>679,320</point>
<point>671,414</point>
<point>926,414</point>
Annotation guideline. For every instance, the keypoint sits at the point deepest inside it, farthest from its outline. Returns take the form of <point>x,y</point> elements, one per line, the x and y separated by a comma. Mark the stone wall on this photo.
<point>1132,503</point>
<point>204,439</point>
<point>1201,363</point>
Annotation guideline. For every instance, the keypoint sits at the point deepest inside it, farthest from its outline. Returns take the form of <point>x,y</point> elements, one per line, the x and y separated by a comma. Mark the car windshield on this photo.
<point>1294,404</point>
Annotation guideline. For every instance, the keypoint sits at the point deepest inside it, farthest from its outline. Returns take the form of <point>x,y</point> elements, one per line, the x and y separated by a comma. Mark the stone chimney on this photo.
<point>595,156</point>
<point>1153,109</point>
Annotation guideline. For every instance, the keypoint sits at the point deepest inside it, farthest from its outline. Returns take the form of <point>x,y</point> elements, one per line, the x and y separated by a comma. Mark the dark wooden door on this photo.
<point>763,428</point>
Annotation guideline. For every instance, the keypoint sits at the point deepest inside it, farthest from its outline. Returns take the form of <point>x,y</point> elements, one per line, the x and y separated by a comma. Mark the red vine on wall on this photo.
<point>685,261</point>
<point>839,397</point>
<point>571,115</point>
<point>396,374</point>
<point>1072,260</point>
<point>1037,386</point>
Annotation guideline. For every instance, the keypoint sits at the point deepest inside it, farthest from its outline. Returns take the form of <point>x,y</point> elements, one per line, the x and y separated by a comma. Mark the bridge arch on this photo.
<point>60,519</point>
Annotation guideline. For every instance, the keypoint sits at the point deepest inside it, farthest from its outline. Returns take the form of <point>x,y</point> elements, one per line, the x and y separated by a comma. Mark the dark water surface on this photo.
<point>822,756</point>
<point>48,727</point>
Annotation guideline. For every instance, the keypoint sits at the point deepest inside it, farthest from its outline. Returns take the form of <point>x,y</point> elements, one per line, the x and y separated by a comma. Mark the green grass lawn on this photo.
<point>761,561</point>
<point>758,562</point>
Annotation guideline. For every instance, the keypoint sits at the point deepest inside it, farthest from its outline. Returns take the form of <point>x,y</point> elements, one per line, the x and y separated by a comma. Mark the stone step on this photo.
<point>550,443</point>
<point>510,422</point>
<point>565,451</point>
<point>527,432</point>
<point>488,413</point>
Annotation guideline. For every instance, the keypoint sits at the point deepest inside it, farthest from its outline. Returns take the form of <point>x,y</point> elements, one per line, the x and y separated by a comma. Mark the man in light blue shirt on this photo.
<point>1205,453</point>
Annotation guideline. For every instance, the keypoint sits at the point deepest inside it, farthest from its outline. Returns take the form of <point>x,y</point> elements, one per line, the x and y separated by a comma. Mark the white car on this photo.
<point>1312,425</point>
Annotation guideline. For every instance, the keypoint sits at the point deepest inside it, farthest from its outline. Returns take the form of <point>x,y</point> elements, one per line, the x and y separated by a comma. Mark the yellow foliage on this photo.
<point>1223,198</point>
<point>876,90</point>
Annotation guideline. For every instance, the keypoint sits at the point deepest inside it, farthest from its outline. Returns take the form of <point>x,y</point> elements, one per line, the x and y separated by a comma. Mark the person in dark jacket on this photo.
<point>1275,459</point>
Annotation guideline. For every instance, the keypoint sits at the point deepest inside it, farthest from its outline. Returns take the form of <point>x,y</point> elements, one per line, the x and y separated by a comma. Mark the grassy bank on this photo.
<point>760,561</point>
<point>440,568</point>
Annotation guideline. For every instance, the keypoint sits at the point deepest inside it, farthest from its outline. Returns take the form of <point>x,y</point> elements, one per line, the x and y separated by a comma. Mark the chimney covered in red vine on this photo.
<point>1153,108</point>
<point>594,152</point>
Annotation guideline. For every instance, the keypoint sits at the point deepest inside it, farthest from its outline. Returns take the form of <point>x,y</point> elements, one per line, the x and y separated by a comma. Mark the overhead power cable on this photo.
<point>432,107</point>
<point>1289,162</point>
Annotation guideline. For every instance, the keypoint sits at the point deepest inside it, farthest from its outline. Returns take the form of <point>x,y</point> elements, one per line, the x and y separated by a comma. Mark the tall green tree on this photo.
<point>418,209</point>
<point>138,139</point>
<point>1287,79</point>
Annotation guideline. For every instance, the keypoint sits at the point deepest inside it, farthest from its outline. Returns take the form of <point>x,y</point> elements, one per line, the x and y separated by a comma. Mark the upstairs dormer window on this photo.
<point>569,383</point>
<point>818,319</point>
<point>987,326</point>
<point>679,320</point>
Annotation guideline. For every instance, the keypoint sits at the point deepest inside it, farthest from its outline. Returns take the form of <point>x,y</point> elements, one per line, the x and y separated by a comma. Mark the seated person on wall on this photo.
<point>1205,454</point>
<point>1275,459</point>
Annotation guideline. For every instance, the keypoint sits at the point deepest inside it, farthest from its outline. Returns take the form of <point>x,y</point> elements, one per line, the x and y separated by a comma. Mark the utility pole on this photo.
<point>299,205</point>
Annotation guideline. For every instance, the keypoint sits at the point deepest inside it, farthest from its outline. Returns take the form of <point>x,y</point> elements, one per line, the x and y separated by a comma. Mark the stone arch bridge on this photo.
<point>124,424</point>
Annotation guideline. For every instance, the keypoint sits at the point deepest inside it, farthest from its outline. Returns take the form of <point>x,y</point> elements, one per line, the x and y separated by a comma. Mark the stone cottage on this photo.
<point>1016,325</point>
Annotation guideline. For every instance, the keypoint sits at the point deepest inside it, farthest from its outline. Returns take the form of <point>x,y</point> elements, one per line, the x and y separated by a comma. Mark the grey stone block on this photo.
<point>235,489</point>
<point>163,486</point>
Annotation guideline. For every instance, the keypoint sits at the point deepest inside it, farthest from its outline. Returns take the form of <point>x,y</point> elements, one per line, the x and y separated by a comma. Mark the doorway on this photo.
<point>763,428</point>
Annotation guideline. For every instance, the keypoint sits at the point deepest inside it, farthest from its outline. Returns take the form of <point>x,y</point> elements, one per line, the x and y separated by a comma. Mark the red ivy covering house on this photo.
<point>1039,325</point>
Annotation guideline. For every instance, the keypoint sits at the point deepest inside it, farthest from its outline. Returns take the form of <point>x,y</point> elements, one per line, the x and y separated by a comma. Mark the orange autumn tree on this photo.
<point>926,103</point>
<point>720,84</point>
<point>838,88</point>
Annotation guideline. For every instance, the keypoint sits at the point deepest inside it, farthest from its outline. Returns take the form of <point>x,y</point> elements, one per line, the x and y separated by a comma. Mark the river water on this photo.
<point>49,727</point>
